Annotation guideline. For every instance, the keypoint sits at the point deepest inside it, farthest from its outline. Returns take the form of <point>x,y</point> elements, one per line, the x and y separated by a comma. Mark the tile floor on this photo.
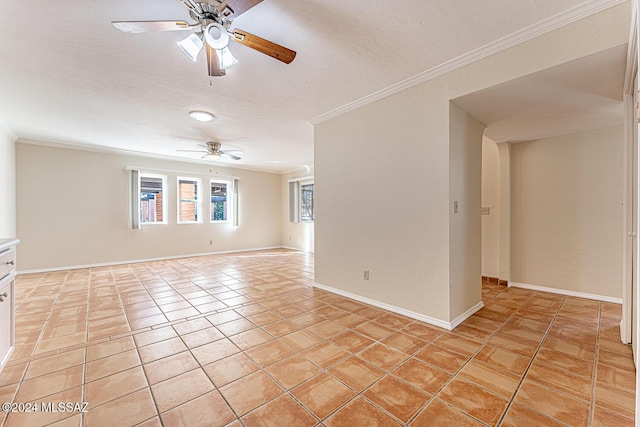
<point>243,339</point>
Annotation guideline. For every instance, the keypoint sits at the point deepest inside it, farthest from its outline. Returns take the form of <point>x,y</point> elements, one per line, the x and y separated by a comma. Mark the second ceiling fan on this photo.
<point>211,31</point>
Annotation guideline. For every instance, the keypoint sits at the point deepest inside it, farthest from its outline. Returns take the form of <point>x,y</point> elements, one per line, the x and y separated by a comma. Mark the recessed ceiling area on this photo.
<point>68,76</point>
<point>580,95</point>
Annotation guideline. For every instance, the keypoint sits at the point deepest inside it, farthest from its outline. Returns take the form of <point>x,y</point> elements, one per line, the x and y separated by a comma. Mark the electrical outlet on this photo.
<point>210,242</point>
<point>366,275</point>
<point>486,210</point>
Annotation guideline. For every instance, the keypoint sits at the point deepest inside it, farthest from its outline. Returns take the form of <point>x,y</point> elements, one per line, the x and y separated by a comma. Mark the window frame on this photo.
<point>197,201</point>
<point>141,175</point>
<point>301,185</point>
<point>229,201</point>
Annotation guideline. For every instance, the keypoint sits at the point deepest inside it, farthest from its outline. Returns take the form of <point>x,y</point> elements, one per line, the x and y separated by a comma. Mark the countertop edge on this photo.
<point>8,243</point>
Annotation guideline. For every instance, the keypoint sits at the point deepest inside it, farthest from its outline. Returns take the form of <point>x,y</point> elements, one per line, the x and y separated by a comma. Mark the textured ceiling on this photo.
<point>68,76</point>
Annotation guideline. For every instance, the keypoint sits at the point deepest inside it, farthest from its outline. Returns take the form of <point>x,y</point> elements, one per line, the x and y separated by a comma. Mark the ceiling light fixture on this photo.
<point>201,116</point>
<point>191,46</point>
<point>216,36</point>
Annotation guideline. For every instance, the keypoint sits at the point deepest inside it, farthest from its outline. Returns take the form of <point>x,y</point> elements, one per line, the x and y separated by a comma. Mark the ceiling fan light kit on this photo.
<point>216,36</point>
<point>212,21</point>
<point>191,46</point>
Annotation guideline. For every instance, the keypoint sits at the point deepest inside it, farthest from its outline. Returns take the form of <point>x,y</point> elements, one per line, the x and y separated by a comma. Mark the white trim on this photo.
<point>464,316</point>
<point>12,135</point>
<point>302,178</point>
<point>528,33</point>
<point>144,169</point>
<point>137,261</point>
<point>576,294</point>
<point>297,249</point>
<point>426,319</point>
<point>123,152</point>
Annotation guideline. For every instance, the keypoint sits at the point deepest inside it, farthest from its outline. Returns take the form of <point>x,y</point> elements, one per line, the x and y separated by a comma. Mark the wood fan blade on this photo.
<point>150,26</point>
<point>267,47</point>
<point>238,7</point>
<point>214,62</point>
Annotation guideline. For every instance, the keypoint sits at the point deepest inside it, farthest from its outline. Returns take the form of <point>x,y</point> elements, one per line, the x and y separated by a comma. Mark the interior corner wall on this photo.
<point>490,199</point>
<point>567,212</point>
<point>465,228</point>
<point>383,201</point>
<point>295,235</point>
<point>73,210</point>
<point>7,185</point>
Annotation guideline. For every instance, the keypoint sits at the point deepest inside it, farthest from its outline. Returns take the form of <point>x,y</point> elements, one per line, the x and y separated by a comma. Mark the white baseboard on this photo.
<point>566,292</point>
<point>408,313</point>
<point>107,264</point>
<point>464,316</point>
<point>296,249</point>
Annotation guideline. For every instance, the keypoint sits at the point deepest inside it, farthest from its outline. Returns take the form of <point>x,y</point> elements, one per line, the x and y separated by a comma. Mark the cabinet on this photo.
<point>7,302</point>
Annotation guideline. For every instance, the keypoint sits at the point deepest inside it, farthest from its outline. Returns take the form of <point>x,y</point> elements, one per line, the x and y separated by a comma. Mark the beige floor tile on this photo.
<point>359,412</point>
<point>441,414</point>
<point>397,397</point>
<point>474,400</point>
<point>442,358</point>
<point>209,410</point>
<point>305,340</point>
<point>54,363</point>
<point>202,337</point>
<point>263,389</point>
<point>169,367</point>
<point>553,403</point>
<point>292,371</point>
<point>112,365</point>
<point>518,416</point>
<point>229,369</point>
<point>45,385</point>
<point>282,411</point>
<point>114,386</point>
<point>356,373</point>
<point>130,410</point>
<point>322,395</point>
<point>180,389</point>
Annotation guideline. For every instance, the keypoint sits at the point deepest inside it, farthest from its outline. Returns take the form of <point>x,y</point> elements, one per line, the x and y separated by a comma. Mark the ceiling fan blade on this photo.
<point>232,151</point>
<point>267,47</point>
<point>150,26</point>
<point>238,7</point>
<point>231,156</point>
<point>213,62</point>
<point>193,151</point>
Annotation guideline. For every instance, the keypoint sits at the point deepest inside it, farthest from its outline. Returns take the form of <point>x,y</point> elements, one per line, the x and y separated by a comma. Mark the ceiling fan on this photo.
<point>211,30</point>
<point>212,151</point>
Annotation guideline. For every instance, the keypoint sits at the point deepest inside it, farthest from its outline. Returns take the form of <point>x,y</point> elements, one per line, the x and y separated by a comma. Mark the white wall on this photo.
<point>465,240</point>
<point>385,199</point>
<point>490,199</point>
<point>295,235</point>
<point>567,212</point>
<point>73,209</point>
<point>7,184</point>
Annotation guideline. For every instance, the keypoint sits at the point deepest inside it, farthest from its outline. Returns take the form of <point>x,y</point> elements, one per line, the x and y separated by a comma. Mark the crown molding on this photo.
<point>110,150</point>
<point>571,15</point>
<point>12,134</point>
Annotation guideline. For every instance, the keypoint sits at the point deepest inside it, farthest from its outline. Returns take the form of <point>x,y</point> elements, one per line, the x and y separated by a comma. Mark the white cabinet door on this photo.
<point>6,319</point>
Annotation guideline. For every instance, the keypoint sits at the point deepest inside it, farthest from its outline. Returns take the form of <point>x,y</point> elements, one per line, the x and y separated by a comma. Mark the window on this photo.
<point>306,201</point>
<point>188,200</point>
<point>152,191</point>
<point>221,200</point>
